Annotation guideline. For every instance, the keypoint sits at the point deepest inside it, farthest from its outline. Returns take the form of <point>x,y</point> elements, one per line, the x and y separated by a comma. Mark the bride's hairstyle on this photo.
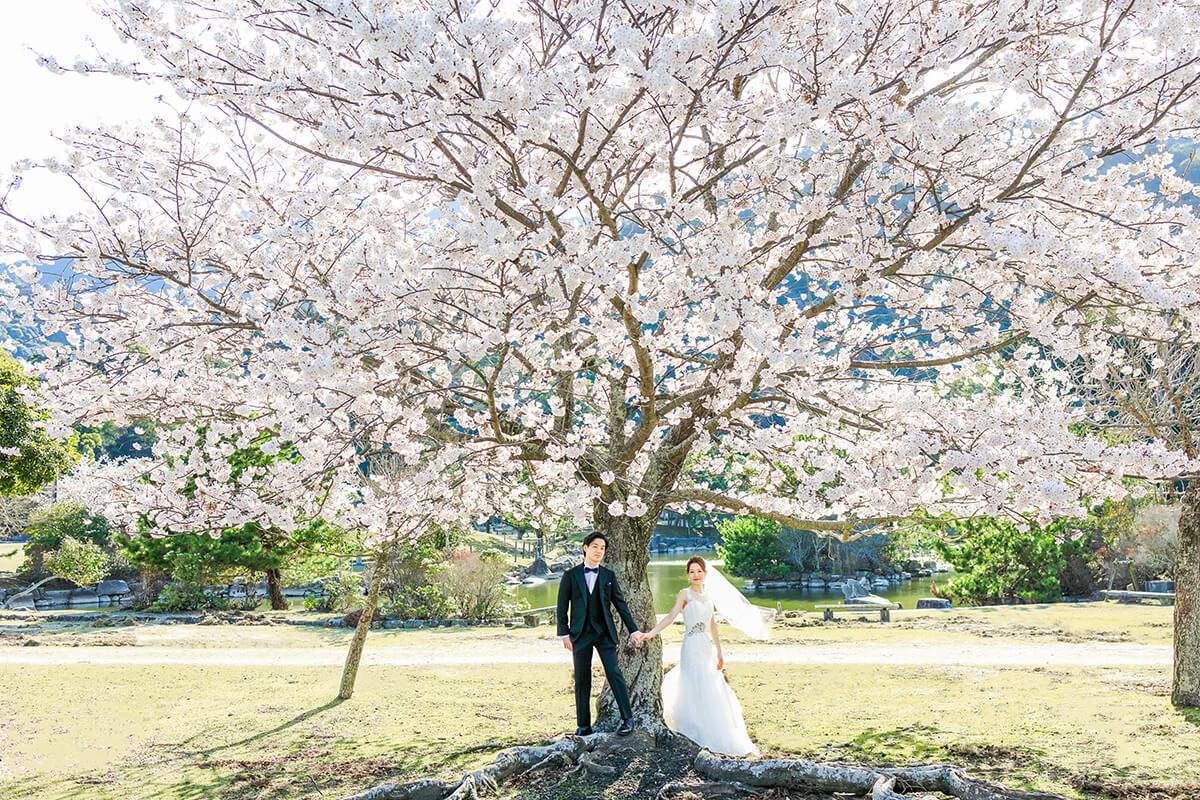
<point>696,560</point>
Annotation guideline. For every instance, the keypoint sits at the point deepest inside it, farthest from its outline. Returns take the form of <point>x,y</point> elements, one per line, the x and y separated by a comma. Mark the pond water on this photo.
<point>667,577</point>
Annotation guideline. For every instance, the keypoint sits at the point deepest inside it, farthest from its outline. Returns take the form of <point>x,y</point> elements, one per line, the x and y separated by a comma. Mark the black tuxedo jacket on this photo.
<point>572,602</point>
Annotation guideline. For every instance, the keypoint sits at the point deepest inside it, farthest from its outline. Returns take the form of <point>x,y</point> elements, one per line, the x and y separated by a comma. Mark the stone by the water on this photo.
<point>112,587</point>
<point>933,602</point>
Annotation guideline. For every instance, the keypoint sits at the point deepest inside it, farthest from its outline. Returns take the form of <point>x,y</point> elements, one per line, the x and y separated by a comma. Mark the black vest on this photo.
<point>593,620</point>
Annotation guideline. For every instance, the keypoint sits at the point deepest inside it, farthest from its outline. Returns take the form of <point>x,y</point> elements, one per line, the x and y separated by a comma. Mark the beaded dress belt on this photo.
<point>697,627</point>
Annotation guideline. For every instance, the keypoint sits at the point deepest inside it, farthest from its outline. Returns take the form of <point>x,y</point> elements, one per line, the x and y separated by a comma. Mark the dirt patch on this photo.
<point>1133,682</point>
<point>17,640</point>
<point>1000,763</point>
<point>311,766</point>
<point>961,623</point>
<point>1121,790</point>
<point>92,639</point>
<point>234,618</point>
<point>995,761</point>
<point>809,621</point>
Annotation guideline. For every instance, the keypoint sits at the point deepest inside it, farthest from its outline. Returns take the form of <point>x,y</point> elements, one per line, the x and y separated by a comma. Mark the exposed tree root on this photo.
<point>667,766</point>
<point>878,784</point>
<point>708,790</point>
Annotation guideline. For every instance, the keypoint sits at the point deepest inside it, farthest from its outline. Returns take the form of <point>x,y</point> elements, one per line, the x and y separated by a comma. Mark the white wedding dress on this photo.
<point>697,701</point>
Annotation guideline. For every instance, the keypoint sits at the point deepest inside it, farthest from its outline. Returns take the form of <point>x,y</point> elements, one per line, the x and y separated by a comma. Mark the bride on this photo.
<point>697,701</point>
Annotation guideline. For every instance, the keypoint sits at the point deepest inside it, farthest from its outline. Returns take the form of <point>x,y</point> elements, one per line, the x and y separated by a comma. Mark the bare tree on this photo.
<point>1152,389</point>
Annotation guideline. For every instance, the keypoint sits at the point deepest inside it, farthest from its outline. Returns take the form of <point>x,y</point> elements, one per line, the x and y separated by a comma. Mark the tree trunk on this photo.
<point>37,561</point>
<point>1186,687</point>
<point>278,602</point>
<point>350,672</point>
<point>627,555</point>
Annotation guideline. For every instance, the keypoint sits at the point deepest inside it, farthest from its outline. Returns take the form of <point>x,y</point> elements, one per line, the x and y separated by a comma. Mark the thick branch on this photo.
<point>843,527</point>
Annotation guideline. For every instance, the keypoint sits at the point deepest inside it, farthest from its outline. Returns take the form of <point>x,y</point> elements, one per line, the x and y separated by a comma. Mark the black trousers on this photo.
<point>582,653</point>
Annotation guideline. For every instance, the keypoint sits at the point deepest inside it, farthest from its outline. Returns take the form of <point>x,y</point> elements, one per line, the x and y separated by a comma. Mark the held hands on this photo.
<point>637,637</point>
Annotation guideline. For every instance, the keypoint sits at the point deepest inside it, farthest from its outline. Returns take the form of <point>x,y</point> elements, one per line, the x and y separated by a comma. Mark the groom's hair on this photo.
<point>593,536</point>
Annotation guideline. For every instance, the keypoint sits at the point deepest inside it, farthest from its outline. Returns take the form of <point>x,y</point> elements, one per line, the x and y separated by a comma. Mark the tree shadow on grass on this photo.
<point>313,767</point>
<point>320,767</point>
<point>178,750</point>
<point>283,726</point>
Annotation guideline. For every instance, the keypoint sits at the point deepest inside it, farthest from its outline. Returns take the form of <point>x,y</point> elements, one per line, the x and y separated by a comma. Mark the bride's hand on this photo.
<point>720,662</point>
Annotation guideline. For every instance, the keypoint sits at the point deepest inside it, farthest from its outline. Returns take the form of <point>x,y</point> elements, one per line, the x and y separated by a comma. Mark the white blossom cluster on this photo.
<point>829,262</point>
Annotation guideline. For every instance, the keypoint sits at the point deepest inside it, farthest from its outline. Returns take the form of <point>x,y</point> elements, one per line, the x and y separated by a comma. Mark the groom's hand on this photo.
<point>567,644</point>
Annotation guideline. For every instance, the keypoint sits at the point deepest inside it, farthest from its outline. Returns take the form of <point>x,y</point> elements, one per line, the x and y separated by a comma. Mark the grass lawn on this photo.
<point>163,730</point>
<point>11,557</point>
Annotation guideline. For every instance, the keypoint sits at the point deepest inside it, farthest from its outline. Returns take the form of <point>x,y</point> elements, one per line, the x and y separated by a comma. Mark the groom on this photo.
<point>586,590</point>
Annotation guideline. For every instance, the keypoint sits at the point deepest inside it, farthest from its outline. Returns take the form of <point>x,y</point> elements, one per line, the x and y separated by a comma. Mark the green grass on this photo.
<point>101,732</point>
<point>1033,727</point>
<point>241,732</point>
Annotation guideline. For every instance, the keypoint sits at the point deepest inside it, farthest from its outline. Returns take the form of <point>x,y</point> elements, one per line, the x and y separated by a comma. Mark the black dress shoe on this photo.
<point>625,728</point>
<point>584,731</point>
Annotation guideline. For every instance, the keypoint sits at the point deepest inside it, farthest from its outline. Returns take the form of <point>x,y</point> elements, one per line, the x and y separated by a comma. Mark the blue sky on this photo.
<point>37,103</point>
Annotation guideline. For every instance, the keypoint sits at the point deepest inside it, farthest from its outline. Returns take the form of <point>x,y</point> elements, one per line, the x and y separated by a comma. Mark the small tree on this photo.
<point>412,587</point>
<point>473,582</point>
<point>81,562</point>
<point>49,526</point>
<point>246,548</point>
<point>751,547</point>
<point>1000,562</point>
<point>29,457</point>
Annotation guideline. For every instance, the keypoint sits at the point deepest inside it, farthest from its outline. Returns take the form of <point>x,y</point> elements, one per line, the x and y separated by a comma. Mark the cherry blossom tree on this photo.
<point>613,248</point>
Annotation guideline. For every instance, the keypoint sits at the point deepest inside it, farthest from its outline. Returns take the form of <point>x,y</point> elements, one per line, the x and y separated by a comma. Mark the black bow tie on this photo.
<point>591,569</point>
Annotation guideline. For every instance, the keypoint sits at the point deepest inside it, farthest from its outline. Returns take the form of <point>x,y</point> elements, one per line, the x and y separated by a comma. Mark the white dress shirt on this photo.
<point>590,577</point>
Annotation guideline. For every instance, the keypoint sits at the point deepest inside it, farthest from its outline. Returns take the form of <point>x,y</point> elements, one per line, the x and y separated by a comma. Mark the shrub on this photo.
<point>474,584</point>
<point>751,547</point>
<point>149,586</point>
<point>411,588</point>
<point>50,525</point>
<point>1153,542</point>
<point>997,562</point>
<point>343,592</point>
<point>424,601</point>
<point>82,563</point>
<point>193,572</point>
<point>187,597</point>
